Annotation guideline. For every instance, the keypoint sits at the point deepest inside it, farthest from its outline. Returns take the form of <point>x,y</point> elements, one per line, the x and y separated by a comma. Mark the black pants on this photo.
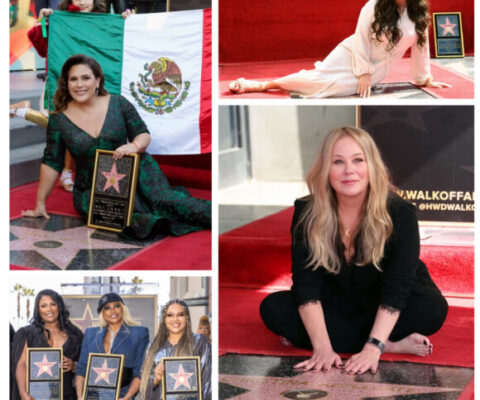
<point>425,313</point>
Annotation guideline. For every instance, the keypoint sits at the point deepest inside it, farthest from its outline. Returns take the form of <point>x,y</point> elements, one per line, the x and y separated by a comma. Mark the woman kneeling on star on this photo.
<point>358,283</point>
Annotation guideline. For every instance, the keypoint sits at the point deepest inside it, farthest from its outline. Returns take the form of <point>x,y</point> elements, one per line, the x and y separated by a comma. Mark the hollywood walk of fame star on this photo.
<point>103,373</point>
<point>45,366</point>
<point>87,320</point>
<point>112,178</point>
<point>448,27</point>
<point>337,384</point>
<point>413,117</point>
<point>72,241</point>
<point>181,378</point>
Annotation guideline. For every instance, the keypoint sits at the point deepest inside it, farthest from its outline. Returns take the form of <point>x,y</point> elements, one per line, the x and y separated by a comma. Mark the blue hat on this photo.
<point>108,298</point>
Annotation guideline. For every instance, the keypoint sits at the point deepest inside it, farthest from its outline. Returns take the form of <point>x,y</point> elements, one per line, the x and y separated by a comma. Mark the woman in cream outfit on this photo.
<point>361,60</point>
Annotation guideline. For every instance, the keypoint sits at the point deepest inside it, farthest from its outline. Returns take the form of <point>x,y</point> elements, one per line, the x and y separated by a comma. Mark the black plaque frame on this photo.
<point>172,365</point>
<point>455,41</point>
<point>94,390</point>
<point>109,210</point>
<point>45,383</point>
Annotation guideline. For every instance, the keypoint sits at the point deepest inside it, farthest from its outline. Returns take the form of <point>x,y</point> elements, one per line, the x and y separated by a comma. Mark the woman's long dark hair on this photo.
<point>387,16</point>
<point>63,313</point>
<point>62,95</point>
<point>184,347</point>
<point>98,6</point>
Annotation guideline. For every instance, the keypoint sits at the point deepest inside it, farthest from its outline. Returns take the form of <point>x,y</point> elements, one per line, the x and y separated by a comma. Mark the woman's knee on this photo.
<point>273,306</point>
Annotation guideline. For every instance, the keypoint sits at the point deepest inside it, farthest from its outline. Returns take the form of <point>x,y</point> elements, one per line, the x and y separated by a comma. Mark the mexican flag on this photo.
<point>160,62</point>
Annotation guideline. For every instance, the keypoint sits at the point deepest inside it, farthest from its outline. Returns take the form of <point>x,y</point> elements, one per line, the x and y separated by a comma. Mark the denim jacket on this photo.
<point>131,341</point>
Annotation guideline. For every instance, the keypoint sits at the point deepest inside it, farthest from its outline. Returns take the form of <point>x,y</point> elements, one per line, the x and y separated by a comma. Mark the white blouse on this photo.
<point>360,54</point>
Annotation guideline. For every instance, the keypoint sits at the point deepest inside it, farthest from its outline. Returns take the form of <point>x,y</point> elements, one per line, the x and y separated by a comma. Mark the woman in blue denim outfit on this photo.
<point>117,334</point>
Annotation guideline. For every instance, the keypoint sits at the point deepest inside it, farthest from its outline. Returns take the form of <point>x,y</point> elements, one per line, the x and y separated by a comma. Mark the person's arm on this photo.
<point>81,369</point>
<point>368,358</point>
<point>133,389</point>
<point>52,164</point>
<point>307,289</point>
<point>48,177</point>
<point>323,357</point>
<point>204,349</point>
<point>79,381</point>
<point>158,373</point>
<point>21,375</point>
<point>399,270</point>
<point>138,145</point>
<point>420,66</point>
<point>363,68</point>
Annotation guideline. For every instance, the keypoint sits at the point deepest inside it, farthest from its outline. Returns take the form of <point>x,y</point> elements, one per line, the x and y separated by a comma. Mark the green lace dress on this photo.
<point>159,208</point>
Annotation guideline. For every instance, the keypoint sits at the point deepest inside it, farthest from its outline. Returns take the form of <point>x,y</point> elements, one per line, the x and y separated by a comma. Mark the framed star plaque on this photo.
<point>113,191</point>
<point>182,378</point>
<point>447,28</point>
<point>103,379</point>
<point>44,373</point>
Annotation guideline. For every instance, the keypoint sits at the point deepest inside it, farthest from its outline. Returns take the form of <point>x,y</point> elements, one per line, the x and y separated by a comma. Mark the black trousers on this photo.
<point>425,314</point>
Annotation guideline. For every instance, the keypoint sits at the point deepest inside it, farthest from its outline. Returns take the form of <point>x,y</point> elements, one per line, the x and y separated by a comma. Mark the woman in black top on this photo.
<point>49,327</point>
<point>358,284</point>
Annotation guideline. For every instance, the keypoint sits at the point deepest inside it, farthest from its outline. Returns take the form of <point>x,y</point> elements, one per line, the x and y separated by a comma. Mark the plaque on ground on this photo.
<point>44,373</point>
<point>113,191</point>
<point>104,377</point>
<point>447,28</point>
<point>182,378</point>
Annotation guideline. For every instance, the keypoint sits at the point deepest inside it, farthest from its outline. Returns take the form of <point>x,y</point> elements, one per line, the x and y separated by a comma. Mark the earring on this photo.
<point>96,90</point>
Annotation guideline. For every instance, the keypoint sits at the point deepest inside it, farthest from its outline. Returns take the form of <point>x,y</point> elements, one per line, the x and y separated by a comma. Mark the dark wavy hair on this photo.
<point>98,6</point>
<point>184,347</point>
<point>62,96</point>
<point>387,16</point>
<point>63,314</point>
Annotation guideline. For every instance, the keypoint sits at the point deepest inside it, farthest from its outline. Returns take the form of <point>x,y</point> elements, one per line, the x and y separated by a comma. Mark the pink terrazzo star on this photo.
<point>45,366</point>
<point>335,383</point>
<point>181,378</point>
<point>448,27</point>
<point>103,373</point>
<point>72,241</point>
<point>112,178</point>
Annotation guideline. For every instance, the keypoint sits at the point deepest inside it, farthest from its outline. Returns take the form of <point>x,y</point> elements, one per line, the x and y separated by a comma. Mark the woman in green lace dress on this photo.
<point>87,118</point>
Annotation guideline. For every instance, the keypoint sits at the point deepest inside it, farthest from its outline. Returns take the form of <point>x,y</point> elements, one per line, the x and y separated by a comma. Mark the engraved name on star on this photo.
<point>45,366</point>
<point>112,178</point>
<point>448,27</point>
<point>103,373</point>
<point>181,378</point>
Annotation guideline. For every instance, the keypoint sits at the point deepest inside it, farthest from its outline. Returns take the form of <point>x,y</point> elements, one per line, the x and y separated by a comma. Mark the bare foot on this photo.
<point>413,344</point>
<point>285,341</point>
<point>242,85</point>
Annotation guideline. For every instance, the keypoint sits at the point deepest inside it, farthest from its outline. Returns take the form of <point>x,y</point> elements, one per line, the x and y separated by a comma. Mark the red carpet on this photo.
<point>255,259</point>
<point>469,392</point>
<point>264,245</point>
<point>188,252</point>
<point>242,331</point>
<point>462,85</point>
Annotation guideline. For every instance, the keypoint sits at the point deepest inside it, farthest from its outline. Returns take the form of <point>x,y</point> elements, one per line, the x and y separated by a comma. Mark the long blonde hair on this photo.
<point>320,216</point>
<point>184,347</point>
<point>127,317</point>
